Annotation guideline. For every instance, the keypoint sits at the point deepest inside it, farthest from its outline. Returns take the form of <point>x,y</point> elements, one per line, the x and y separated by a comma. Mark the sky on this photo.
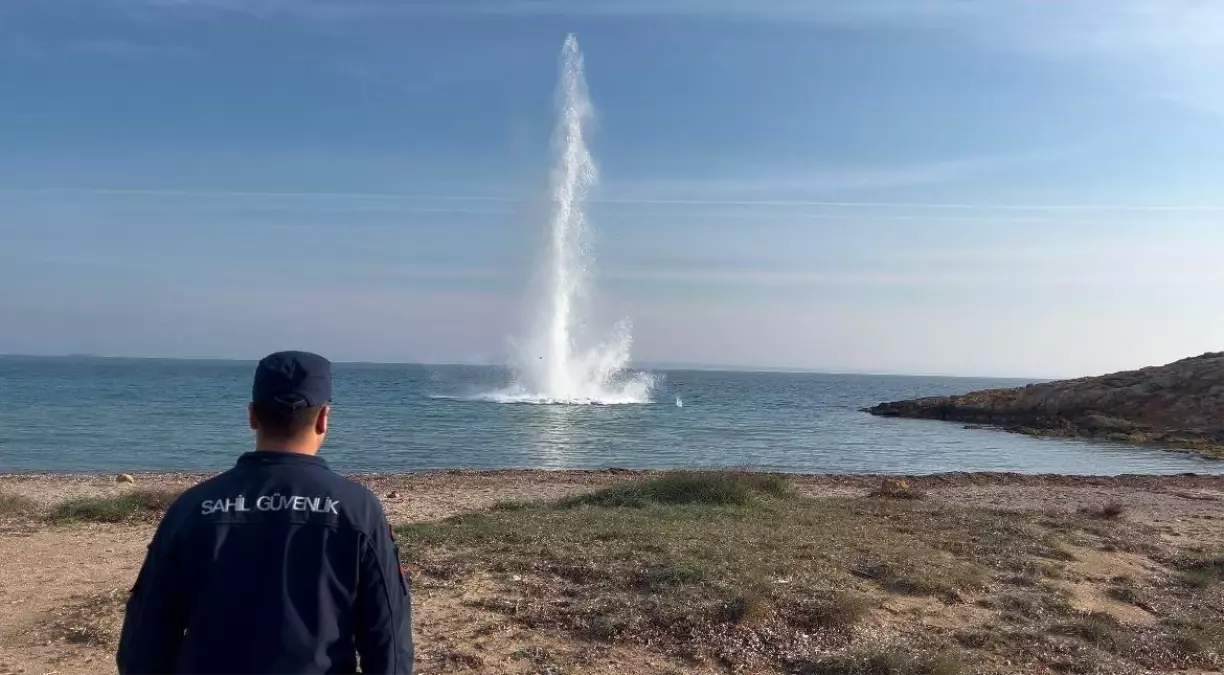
<point>1008,188</point>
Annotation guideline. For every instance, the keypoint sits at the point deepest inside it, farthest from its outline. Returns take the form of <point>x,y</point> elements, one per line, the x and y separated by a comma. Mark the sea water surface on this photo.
<point>90,414</point>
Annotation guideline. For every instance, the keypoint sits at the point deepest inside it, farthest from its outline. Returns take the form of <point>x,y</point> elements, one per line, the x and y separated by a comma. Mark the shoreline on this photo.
<point>937,478</point>
<point>440,494</point>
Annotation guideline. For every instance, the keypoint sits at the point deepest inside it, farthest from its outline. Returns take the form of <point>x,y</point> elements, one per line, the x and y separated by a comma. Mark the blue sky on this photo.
<point>921,186</point>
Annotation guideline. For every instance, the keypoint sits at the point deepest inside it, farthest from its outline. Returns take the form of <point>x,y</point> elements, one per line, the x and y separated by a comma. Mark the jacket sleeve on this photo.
<point>384,605</point>
<point>155,619</point>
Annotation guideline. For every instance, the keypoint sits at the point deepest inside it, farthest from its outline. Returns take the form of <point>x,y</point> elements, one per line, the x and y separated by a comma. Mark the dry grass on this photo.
<point>706,572</point>
<point>130,506</point>
<point>92,620</point>
<point>735,569</point>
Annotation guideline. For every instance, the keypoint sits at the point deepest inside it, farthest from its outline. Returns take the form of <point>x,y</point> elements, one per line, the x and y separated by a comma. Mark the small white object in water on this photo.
<point>679,403</point>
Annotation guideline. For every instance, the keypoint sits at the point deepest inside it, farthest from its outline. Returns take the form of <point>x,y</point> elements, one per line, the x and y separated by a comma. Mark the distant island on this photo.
<point>1176,406</point>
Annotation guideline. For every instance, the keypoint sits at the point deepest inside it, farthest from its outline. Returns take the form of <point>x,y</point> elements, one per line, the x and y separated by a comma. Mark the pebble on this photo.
<point>125,478</point>
<point>393,495</point>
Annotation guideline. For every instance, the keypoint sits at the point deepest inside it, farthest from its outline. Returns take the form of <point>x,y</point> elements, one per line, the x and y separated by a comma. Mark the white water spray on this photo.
<point>558,365</point>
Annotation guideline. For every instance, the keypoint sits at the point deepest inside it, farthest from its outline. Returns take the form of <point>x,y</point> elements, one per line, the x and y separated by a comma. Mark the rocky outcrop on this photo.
<point>1180,406</point>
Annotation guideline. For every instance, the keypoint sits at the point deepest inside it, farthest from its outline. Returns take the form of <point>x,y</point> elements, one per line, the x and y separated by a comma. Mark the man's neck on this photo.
<point>294,447</point>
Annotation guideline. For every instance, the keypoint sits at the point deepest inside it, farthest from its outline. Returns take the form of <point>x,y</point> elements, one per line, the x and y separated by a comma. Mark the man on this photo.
<point>277,565</point>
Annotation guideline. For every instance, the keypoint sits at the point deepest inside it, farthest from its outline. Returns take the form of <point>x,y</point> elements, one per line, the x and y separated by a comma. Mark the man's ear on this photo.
<point>321,420</point>
<point>251,416</point>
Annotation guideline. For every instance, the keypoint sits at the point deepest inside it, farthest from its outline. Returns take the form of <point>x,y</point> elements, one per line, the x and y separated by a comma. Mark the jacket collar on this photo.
<point>265,457</point>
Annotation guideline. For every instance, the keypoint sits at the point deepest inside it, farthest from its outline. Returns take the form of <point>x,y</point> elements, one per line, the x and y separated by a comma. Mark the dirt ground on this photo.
<point>62,586</point>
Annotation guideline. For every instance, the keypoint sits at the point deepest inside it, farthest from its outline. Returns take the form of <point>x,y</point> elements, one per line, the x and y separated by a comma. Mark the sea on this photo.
<point>111,415</point>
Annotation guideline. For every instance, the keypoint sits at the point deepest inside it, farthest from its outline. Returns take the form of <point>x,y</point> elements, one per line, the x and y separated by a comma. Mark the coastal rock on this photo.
<point>897,488</point>
<point>1179,405</point>
<point>894,485</point>
<point>125,478</point>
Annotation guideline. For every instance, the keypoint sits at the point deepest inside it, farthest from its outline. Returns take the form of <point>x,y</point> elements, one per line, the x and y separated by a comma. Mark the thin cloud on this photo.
<point>1170,49</point>
<point>829,180</point>
<point>356,10</point>
<point>767,203</point>
<point>1037,276</point>
<point>843,179</point>
<point>921,205</point>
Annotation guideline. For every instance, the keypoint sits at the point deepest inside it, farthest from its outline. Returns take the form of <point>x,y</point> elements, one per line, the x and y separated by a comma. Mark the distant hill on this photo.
<point>1179,405</point>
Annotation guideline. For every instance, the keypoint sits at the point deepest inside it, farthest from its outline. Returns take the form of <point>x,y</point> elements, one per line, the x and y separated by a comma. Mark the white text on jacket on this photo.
<point>273,502</point>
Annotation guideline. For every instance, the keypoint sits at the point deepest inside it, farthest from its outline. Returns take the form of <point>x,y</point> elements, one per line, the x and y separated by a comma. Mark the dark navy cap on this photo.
<point>292,381</point>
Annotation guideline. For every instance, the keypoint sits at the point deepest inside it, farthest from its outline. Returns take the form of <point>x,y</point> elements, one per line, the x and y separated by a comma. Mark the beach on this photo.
<point>1035,573</point>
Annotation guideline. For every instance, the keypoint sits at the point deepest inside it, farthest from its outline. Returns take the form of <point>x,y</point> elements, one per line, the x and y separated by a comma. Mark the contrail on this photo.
<point>141,192</point>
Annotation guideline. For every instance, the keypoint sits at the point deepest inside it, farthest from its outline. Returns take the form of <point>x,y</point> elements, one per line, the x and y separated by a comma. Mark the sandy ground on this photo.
<point>53,576</point>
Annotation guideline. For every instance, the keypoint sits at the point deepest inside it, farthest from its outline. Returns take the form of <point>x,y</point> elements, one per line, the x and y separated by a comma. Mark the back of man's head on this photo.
<point>290,400</point>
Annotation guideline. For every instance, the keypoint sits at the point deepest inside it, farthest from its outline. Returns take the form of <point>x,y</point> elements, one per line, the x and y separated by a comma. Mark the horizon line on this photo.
<point>646,365</point>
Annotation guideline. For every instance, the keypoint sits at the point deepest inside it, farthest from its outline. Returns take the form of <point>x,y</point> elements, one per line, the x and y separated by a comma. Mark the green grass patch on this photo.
<point>1110,511</point>
<point>835,610</point>
<point>1201,573</point>
<point>885,660</point>
<point>681,487</point>
<point>127,507</point>
<point>1098,629</point>
<point>947,582</point>
<point>897,488</point>
<point>512,505</point>
<point>1126,593</point>
<point>1196,635</point>
<point>1037,603</point>
<point>16,505</point>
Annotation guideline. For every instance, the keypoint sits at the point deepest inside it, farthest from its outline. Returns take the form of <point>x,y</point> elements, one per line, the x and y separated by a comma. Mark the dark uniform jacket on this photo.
<point>278,565</point>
